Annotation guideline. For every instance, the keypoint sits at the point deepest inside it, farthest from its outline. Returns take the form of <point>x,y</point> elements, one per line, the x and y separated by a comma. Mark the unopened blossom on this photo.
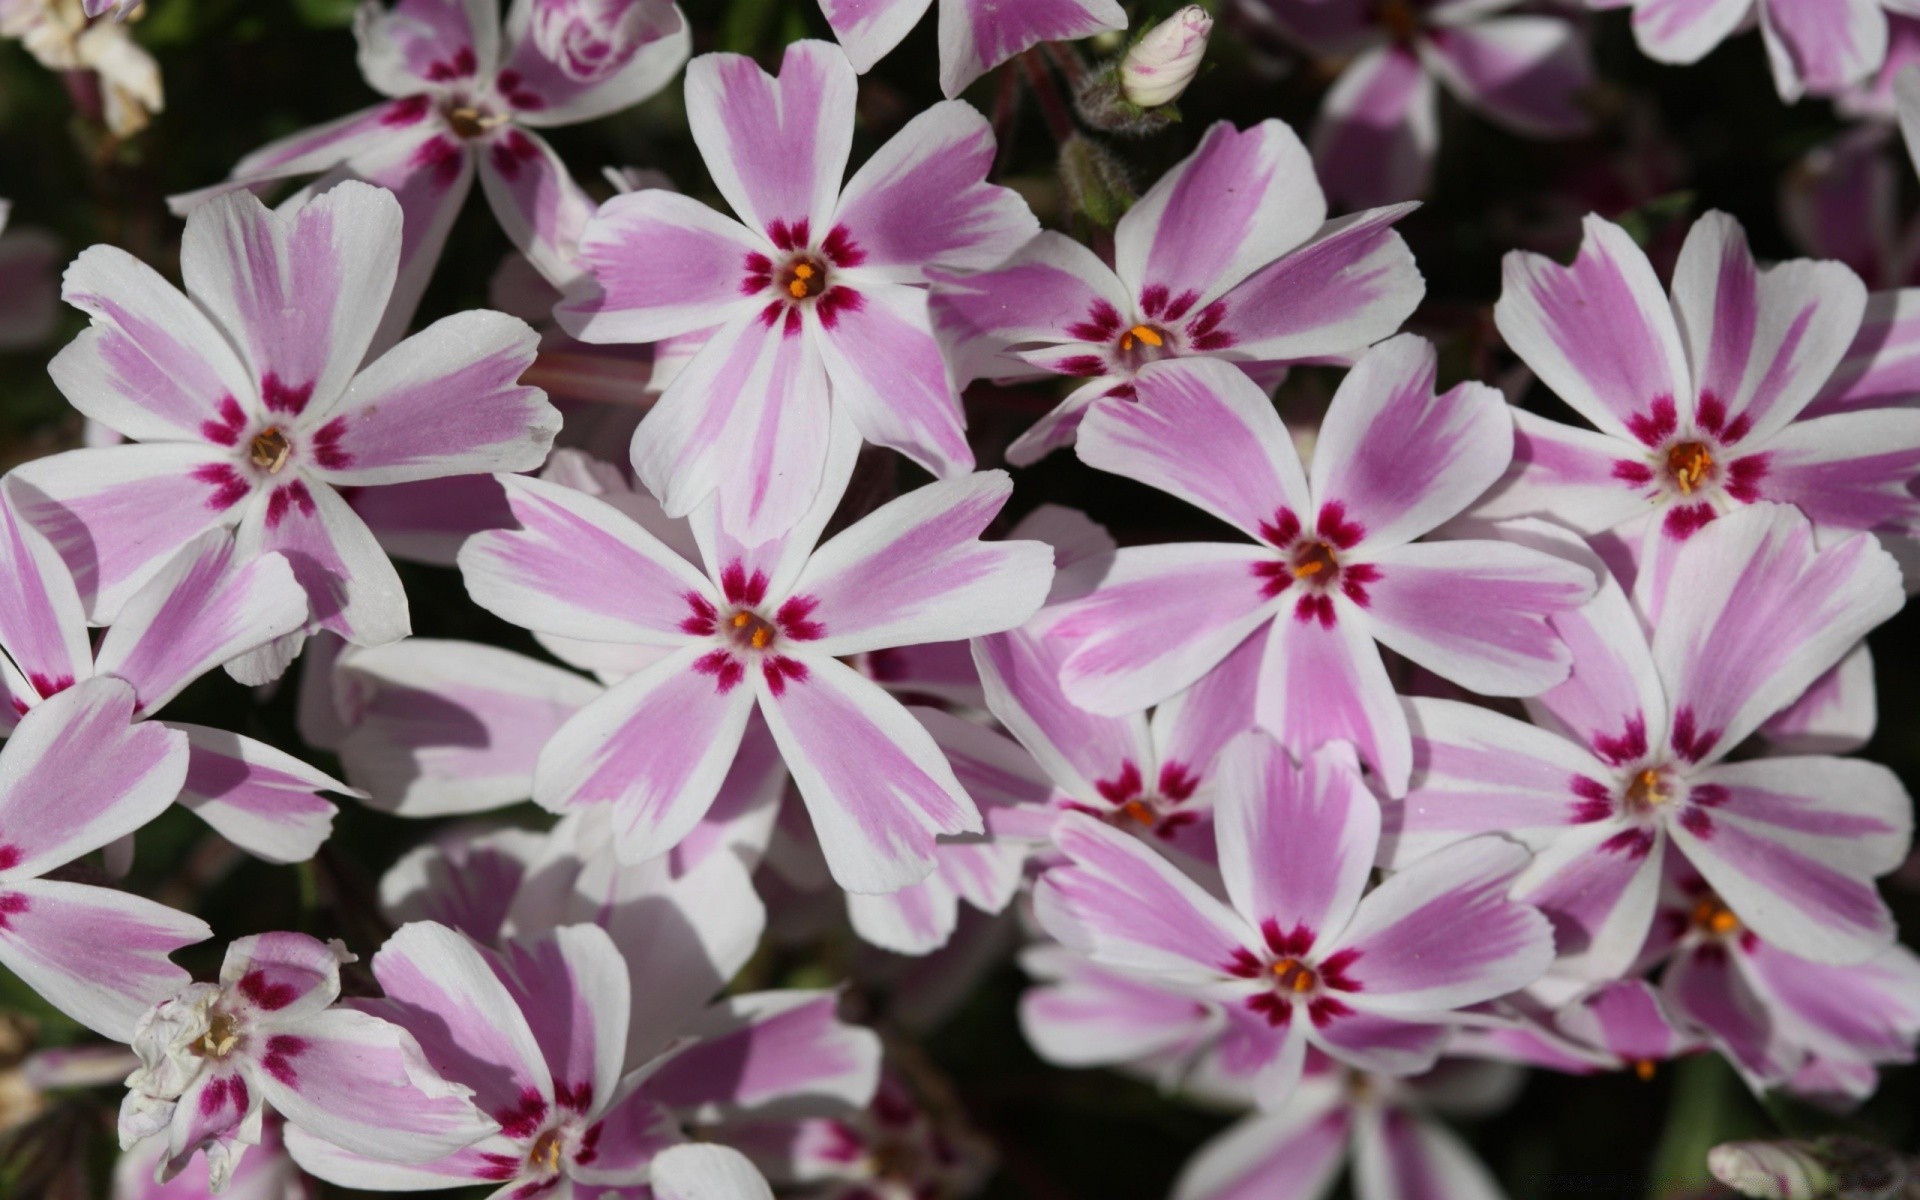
<point>1158,67</point>
<point>1626,775</point>
<point>469,97</point>
<point>29,296</point>
<point>1701,407</point>
<point>814,295</point>
<point>1302,954</point>
<point>1784,1020</point>
<point>1228,256</point>
<point>762,628</point>
<point>76,775</point>
<point>542,1031</point>
<point>251,406</point>
<point>59,35</point>
<point>1814,47</point>
<point>205,607</point>
<point>1334,567</point>
<point>1385,1130</point>
<point>975,35</point>
<point>214,1056</point>
<point>1379,124</point>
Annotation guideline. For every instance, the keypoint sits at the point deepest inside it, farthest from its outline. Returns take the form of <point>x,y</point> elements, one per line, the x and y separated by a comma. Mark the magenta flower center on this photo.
<point>1292,975</point>
<point>804,277</point>
<point>750,631</point>
<point>1689,466</point>
<point>1316,564</point>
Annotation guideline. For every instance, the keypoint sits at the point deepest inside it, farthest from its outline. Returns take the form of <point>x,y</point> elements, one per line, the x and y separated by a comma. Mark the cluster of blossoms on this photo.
<point>1480,740</point>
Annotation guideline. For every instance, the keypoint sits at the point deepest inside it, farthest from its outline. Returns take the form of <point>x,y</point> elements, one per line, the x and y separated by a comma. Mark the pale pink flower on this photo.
<point>975,35</point>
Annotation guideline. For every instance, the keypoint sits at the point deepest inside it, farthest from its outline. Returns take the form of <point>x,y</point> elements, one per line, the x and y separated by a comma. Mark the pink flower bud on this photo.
<point>1161,65</point>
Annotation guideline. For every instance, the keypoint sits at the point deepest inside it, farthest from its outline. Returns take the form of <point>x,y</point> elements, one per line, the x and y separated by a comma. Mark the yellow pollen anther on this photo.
<point>761,637</point>
<point>1645,790</point>
<point>1139,810</point>
<point>1643,1068</point>
<point>1688,463</point>
<point>740,620</point>
<point>222,1035</point>
<point>1714,917</point>
<point>1313,559</point>
<point>1142,333</point>
<point>545,1154</point>
<point>269,450</point>
<point>1295,975</point>
<point>1308,568</point>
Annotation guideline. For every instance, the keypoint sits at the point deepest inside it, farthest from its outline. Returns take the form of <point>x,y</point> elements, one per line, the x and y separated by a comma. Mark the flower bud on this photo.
<point>1771,1170</point>
<point>1158,67</point>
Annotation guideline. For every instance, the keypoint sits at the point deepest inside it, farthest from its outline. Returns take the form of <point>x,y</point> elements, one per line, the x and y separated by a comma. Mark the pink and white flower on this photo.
<point>1304,955</point>
<point>1228,256</point>
<point>469,97</point>
<point>1379,125</point>
<point>762,628</point>
<point>814,295</point>
<point>250,405</point>
<point>1336,566</point>
<point>266,1173</point>
<point>1815,47</point>
<point>204,608</point>
<point>76,775</point>
<point>975,35</point>
<point>1629,772</point>
<point>1700,407</point>
<point>214,1057</point>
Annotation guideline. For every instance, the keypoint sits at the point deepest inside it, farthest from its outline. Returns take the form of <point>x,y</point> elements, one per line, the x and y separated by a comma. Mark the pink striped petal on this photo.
<point>1683,31</point>
<point>543,211</point>
<point>1127,907</point>
<point>1442,933</point>
<point>571,985</point>
<point>1204,432</point>
<point>775,146</point>
<point>1882,366</point>
<point>766,1055</point>
<point>1599,333</point>
<point>1320,684</point>
<point>1835,715</point>
<point>1477,613</point>
<point>151,365</point>
<point>1400,1153</point>
<point>1823,47</point>
<point>78,774</point>
<point>1381,1045</point>
<point>889,376</point>
<point>1839,203</point>
<point>1399,458</point>
<point>1296,842</point>
<point>1082,1015</point>
<point>427,521</point>
<point>1614,703</point>
<point>1239,201</point>
<point>96,954</point>
<point>1869,1011</point>
<point>1528,73</point>
<point>977,35</point>
<point>915,920</point>
<point>1849,471</point>
<point>580,568</point>
<point>396,426</point>
<point>658,264</point>
<point>707,1173</point>
<point>1039,294</point>
<point>263,800</point>
<point>1566,474</point>
<point>1376,135</point>
<point>915,571</point>
<point>204,608</point>
<point>439,988</point>
<point>43,628</point>
<point>1189,729</point>
<point>558,89</point>
<point>477,1163</point>
<point>420,43</point>
<point>1706,989</point>
<point>1598,885</point>
<point>300,292</point>
<point>453,727</point>
<point>875,783</point>
<point>922,201</point>
<point>652,751</point>
<point>1761,342</point>
<point>1627,1019</point>
<point>1763,615</point>
<point>351,585</point>
<point>1077,749</point>
<point>1350,285</point>
<point>1293,1154</point>
<point>869,29</point>
<point>463,882</point>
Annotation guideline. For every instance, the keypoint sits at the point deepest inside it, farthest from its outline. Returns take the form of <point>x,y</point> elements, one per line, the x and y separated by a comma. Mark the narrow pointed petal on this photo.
<point>96,954</point>
<point>1400,1153</point>
<point>43,627</point>
<point>1350,285</point>
<point>651,752</point>
<point>1207,434</point>
<point>1239,201</point>
<point>875,783</point>
<point>776,146</point>
<point>1442,933</point>
<point>1082,1015</point>
<point>1296,842</point>
<point>1599,332</point>
<point>263,800</point>
<point>1127,907</point>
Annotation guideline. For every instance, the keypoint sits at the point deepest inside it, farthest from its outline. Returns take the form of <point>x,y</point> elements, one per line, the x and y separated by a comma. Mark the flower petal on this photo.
<point>1375,138</point>
<point>977,36</point>
<point>547,92</point>
<point>707,1173</point>
<point>1350,285</point>
<point>1292,1154</point>
<point>1079,1014</point>
<point>1399,1153</point>
<point>96,954</point>
<point>1038,294</point>
<point>1321,683</point>
<point>1529,73</point>
<point>768,1055</point>
<point>263,800</point>
<point>420,43</point>
<point>658,264</point>
<point>351,585</point>
<point>889,376</point>
<point>571,985</point>
<point>869,29</point>
<point>1077,749</point>
<point>43,627</point>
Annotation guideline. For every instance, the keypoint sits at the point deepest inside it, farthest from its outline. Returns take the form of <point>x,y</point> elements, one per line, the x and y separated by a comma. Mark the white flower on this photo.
<point>1161,64</point>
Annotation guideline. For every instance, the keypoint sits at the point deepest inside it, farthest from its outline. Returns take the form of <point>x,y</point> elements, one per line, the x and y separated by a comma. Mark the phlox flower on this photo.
<point>813,296</point>
<point>975,35</point>
<point>1335,567</point>
<point>469,97</point>
<point>1700,406</point>
<point>250,405</point>
<point>265,1173</point>
<point>1229,255</point>
<point>1303,954</point>
<point>1379,125</point>
<point>761,629</point>
<point>1814,47</point>
<point>202,609</point>
<point>1626,773</point>
<point>29,301</point>
<point>214,1056</point>
<point>76,775</point>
